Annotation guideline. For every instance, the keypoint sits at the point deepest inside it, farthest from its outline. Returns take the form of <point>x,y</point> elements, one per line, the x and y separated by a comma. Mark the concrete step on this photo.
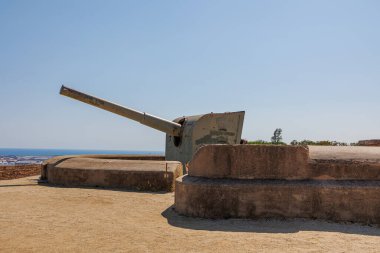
<point>356,201</point>
<point>143,175</point>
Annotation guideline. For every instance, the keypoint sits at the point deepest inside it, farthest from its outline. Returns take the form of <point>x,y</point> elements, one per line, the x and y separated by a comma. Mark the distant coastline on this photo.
<point>19,156</point>
<point>57,152</point>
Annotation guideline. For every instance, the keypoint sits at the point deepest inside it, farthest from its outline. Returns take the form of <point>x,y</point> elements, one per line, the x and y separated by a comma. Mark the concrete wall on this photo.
<point>227,198</point>
<point>255,181</point>
<point>285,162</point>
<point>113,173</point>
<point>369,143</point>
<point>250,161</point>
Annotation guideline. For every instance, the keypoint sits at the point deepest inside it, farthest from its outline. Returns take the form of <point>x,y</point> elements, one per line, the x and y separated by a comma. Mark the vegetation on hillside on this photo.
<point>276,139</point>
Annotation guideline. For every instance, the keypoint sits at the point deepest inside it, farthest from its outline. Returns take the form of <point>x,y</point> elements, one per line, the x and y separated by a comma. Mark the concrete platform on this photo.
<point>357,201</point>
<point>143,174</point>
<point>259,181</point>
<point>286,162</point>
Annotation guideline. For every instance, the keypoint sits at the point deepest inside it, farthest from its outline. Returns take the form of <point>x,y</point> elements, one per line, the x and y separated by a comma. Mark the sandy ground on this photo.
<point>40,218</point>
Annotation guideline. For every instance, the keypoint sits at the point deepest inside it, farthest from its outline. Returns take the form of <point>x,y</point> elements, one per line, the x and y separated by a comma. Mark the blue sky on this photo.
<point>311,68</point>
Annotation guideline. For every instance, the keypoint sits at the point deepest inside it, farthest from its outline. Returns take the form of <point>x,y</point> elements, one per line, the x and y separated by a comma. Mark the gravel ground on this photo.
<point>41,218</point>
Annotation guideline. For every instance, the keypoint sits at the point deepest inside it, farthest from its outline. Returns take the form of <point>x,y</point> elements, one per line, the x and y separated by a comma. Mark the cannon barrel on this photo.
<point>163,125</point>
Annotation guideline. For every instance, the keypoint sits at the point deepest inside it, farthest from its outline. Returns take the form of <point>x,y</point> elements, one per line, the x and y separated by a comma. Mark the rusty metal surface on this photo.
<point>212,128</point>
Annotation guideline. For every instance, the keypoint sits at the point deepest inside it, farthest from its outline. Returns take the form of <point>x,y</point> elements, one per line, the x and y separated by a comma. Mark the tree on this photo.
<point>294,142</point>
<point>277,137</point>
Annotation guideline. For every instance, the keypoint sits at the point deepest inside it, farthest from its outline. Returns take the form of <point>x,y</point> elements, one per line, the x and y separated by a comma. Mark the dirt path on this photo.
<point>37,218</point>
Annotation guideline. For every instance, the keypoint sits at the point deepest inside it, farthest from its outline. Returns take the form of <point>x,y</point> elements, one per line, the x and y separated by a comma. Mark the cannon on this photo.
<point>184,134</point>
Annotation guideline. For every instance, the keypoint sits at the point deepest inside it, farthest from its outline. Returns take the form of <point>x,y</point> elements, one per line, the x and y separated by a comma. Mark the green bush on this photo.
<point>261,142</point>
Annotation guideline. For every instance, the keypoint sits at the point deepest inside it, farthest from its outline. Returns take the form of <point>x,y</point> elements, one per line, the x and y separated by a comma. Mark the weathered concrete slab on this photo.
<point>356,201</point>
<point>146,175</point>
<point>374,142</point>
<point>286,162</point>
<point>371,154</point>
<point>58,159</point>
<point>344,170</point>
<point>250,162</point>
<point>344,163</point>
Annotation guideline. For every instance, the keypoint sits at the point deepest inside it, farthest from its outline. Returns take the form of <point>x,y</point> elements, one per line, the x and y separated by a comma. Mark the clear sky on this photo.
<point>311,68</point>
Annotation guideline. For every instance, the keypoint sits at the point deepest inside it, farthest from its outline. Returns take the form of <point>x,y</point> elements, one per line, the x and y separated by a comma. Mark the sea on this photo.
<point>20,156</point>
<point>58,152</point>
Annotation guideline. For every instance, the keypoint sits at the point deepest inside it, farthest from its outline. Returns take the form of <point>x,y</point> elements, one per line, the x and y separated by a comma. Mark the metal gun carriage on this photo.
<point>184,134</point>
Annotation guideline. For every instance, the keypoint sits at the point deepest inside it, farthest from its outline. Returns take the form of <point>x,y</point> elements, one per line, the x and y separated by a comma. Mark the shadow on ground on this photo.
<point>16,185</point>
<point>32,182</point>
<point>100,188</point>
<point>266,225</point>
<point>37,182</point>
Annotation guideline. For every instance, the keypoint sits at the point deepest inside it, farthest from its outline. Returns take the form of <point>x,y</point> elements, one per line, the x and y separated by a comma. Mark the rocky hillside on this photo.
<point>18,171</point>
